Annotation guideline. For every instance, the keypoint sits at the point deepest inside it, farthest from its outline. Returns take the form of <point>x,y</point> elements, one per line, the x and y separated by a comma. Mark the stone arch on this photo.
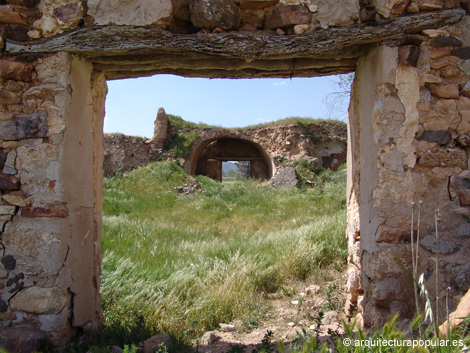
<point>207,153</point>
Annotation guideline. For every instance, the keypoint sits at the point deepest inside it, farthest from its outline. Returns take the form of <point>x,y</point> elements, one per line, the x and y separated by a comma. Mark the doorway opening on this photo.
<point>235,170</point>
<point>229,249</point>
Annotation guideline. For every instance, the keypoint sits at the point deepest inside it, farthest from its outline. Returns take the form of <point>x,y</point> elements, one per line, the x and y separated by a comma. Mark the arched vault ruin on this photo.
<point>409,132</point>
<point>208,155</point>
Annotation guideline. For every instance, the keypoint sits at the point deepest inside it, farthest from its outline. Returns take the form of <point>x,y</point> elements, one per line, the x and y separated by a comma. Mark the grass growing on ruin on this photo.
<point>182,264</point>
<point>298,120</point>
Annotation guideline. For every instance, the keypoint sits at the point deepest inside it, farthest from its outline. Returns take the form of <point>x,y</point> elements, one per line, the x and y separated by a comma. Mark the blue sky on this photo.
<point>132,104</point>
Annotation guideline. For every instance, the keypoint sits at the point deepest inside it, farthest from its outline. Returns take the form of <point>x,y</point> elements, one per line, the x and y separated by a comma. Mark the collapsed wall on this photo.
<point>321,143</point>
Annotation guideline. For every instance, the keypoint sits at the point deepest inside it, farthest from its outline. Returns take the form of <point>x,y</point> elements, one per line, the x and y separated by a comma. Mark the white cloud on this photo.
<point>280,83</point>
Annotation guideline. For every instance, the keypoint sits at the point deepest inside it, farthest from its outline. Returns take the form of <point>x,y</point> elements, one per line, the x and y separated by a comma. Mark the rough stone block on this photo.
<point>463,141</point>
<point>446,42</point>
<point>466,90</point>
<point>462,53</point>
<point>444,157</point>
<point>382,264</point>
<point>70,14</point>
<point>256,4</point>
<point>440,137</point>
<point>9,98</point>
<point>15,200</point>
<point>11,14</point>
<point>463,231</point>
<point>450,91</point>
<point>457,317</point>
<point>408,55</point>
<point>9,165</point>
<point>287,16</point>
<point>9,262</point>
<point>8,183</point>
<point>181,9</point>
<point>460,186</point>
<point>386,234</point>
<point>7,210</point>
<point>207,14</point>
<point>53,322</point>
<point>49,211</point>
<point>391,8</point>
<point>336,13</point>
<point>285,178</point>
<point>442,246</point>
<point>154,343</point>
<point>131,12</point>
<point>11,70</point>
<point>253,19</point>
<point>37,300</point>
<point>24,126</point>
<point>21,339</point>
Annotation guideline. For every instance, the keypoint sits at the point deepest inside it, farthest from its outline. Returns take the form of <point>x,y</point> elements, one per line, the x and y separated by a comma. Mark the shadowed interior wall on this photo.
<point>209,162</point>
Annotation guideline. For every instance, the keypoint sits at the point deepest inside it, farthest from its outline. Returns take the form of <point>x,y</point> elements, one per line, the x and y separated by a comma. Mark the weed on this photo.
<point>266,346</point>
<point>181,141</point>
<point>130,349</point>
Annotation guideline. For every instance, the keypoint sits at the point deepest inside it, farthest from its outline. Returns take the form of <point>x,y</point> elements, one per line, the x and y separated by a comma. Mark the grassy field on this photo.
<point>182,264</point>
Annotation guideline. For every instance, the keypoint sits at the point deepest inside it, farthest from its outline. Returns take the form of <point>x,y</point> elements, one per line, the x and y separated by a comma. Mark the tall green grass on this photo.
<point>184,263</point>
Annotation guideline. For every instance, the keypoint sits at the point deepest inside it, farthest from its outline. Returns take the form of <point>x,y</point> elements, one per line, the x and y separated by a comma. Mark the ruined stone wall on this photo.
<point>323,144</point>
<point>124,153</point>
<point>408,140</point>
<point>50,206</point>
<point>408,131</point>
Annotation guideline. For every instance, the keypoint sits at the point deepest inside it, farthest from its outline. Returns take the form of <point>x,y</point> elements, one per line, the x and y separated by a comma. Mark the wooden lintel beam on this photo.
<point>124,40</point>
<point>248,73</point>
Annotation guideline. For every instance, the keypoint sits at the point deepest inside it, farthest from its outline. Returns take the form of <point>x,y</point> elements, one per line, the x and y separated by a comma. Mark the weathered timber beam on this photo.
<point>290,65</point>
<point>116,40</point>
<point>246,73</point>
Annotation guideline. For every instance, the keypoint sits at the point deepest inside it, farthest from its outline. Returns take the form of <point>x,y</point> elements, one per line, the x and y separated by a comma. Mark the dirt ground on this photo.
<point>291,316</point>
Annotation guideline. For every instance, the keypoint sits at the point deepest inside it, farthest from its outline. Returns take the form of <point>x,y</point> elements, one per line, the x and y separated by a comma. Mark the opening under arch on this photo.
<point>209,155</point>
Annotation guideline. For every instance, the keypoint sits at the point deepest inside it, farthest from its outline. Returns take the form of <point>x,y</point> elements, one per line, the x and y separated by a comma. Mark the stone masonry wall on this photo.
<point>409,146</point>
<point>49,214</point>
<point>323,144</point>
